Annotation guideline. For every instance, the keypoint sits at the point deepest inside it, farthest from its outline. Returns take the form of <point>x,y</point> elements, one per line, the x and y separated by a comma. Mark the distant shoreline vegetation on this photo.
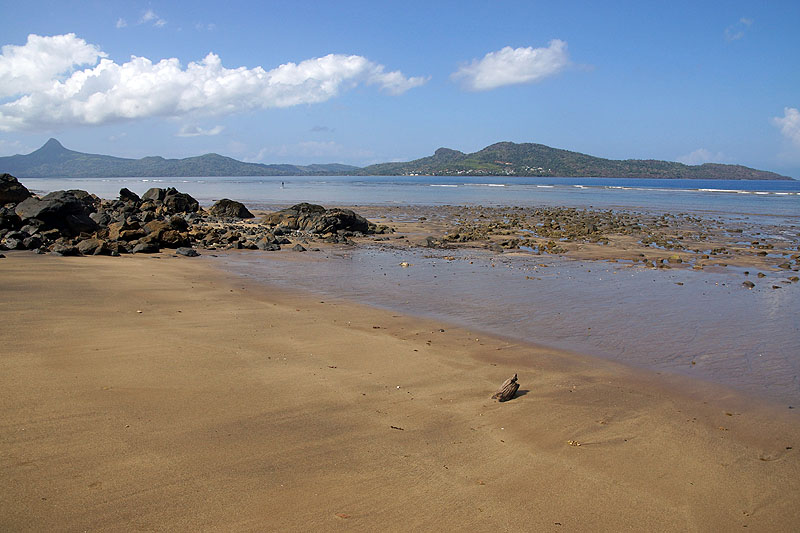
<point>500,159</point>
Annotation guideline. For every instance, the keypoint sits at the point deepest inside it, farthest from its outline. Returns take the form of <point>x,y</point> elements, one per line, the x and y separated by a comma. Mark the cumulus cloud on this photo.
<point>121,22</point>
<point>734,32</point>
<point>36,65</point>
<point>51,93</point>
<point>511,66</point>
<point>700,156</point>
<point>789,125</point>
<point>197,131</point>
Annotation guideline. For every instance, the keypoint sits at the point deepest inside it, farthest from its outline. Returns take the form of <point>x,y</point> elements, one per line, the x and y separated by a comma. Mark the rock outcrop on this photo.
<point>316,219</point>
<point>230,209</point>
<point>11,190</point>
<point>78,223</point>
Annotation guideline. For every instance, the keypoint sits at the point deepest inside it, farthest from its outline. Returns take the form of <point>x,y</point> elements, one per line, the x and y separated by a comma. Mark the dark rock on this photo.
<point>298,248</point>
<point>67,211</point>
<point>146,248</point>
<point>188,252</point>
<point>179,223</point>
<point>154,194</point>
<point>9,219</point>
<point>12,243</point>
<point>230,208</point>
<point>2,256</point>
<point>267,245</point>
<point>30,229</point>
<point>60,248</point>
<point>101,218</point>
<point>180,202</point>
<point>11,190</point>
<point>127,195</point>
<point>317,219</point>
<point>161,232</point>
<point>93,246</point>
<point>32,243</point>
<point>749,284</point>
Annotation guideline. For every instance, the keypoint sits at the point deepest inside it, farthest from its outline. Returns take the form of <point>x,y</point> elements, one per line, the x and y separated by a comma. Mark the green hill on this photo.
<point>53,160</point>
<point>527,159</point>
<point>501,159</point>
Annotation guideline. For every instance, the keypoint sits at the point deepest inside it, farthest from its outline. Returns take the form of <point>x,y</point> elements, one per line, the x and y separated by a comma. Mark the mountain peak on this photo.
<point>52,146</point>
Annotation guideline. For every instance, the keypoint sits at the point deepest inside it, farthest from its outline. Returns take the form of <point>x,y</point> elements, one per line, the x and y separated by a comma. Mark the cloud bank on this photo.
<point>789,124</point>
<point>511,66</point>
<point>49,91</point>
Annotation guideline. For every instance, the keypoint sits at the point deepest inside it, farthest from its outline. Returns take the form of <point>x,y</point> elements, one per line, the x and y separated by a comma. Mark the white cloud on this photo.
<point>734,32</point>
<point>511,66</point>
<point>36,65</point>
<point>789,124</point>
<point>121,22</point>
<point>150,16</point>
<point>197,131</point>
<point>139,88</point>
<point>700,156</point>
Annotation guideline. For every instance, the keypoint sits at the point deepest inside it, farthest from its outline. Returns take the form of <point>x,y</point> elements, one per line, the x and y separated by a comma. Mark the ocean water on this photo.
<point>778,201</point>
<point>701,324</point>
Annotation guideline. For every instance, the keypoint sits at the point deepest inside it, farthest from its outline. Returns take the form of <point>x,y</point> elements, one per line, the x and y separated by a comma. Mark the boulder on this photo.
<point>180,202</point>
<point>67,211</point>
<point>146,248</point>
<point>317,219</point>
<point>93,246</point>
<point>127,195</point>
<point>11,190</point>
<point>154,194</point>
<point>230,208</point>
<point>61,248</point>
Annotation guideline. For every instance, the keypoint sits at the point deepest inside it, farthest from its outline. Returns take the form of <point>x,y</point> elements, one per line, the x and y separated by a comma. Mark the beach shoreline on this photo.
<point>159,392</point>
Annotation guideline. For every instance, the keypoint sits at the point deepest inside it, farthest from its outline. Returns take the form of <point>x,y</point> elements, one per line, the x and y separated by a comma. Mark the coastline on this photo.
<point>229,404</point>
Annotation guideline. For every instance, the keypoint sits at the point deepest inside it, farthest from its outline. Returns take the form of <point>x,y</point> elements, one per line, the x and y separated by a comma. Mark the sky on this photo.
<point>361,82</point>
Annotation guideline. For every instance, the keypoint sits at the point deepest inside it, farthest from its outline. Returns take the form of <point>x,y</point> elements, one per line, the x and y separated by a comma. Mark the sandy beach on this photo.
<point>157,393</point>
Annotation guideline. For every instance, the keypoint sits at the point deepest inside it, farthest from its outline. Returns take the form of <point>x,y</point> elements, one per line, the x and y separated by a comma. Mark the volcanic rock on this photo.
<point>11,190</point>
<point>230,208</point>
<point>316,219</point>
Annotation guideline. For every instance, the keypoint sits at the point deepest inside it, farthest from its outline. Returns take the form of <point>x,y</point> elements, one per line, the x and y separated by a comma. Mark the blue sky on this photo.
<point>364,82</point>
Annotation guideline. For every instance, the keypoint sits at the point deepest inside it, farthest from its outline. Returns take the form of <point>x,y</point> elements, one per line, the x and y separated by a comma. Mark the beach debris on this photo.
<point>186,251</point>
<point>507,390</point>
<point>343,516</point>
<point>395,427</point>
<point>405,265</point>
<point>573,442</point>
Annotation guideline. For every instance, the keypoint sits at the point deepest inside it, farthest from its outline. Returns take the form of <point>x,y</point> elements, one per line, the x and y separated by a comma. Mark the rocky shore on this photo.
<point>75,222</point>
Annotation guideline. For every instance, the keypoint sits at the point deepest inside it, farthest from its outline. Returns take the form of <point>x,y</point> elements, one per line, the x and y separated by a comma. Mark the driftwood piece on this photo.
<point>507,390</point>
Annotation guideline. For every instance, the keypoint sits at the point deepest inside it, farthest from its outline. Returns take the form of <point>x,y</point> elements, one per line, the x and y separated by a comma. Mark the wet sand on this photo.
<point>160,393</point>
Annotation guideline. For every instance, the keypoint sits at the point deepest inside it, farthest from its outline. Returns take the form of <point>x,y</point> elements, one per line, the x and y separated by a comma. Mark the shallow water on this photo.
<point>778,201</point>
<point>700,324</point>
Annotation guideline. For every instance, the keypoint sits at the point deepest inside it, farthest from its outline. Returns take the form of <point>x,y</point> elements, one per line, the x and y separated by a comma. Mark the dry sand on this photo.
<point>143,393</point>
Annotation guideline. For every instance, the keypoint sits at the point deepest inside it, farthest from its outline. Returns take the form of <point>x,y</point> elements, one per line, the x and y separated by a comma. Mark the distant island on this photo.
<point>501,159</point>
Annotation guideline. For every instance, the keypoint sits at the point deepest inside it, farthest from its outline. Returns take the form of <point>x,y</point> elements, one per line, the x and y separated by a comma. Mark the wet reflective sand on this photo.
<point>700,324</point>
